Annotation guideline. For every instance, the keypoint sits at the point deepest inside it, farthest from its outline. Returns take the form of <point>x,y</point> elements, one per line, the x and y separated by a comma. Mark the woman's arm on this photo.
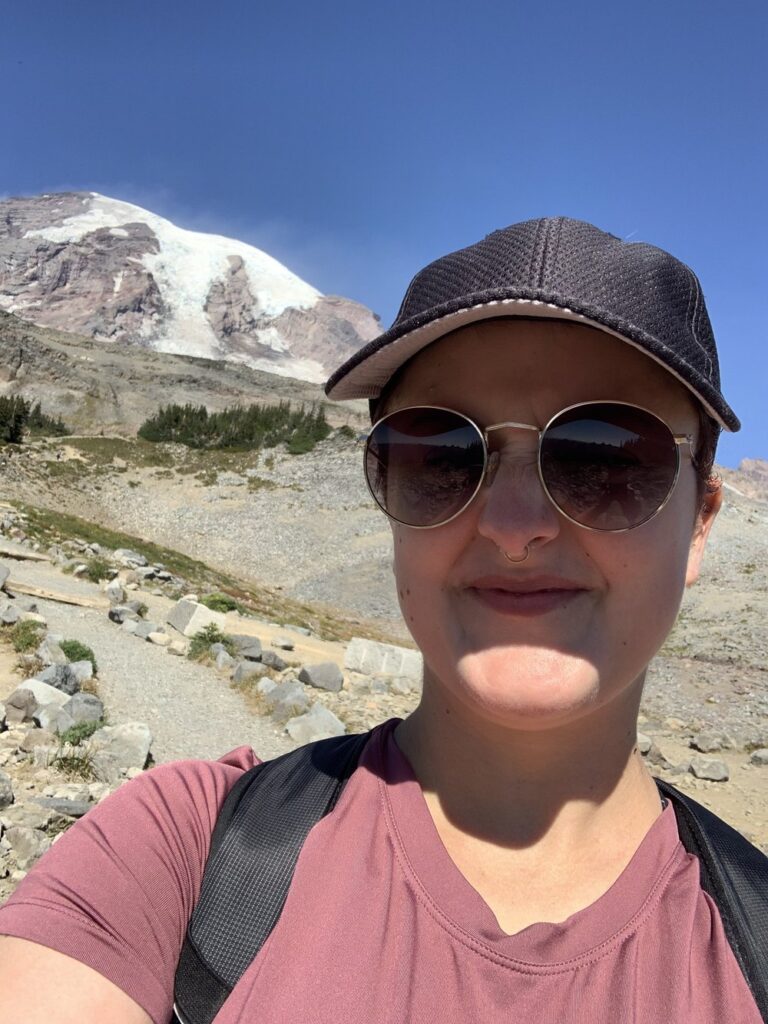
<point>40,985</point>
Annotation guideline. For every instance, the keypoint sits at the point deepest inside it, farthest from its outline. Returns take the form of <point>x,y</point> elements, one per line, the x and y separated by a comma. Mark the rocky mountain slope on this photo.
<point>97,386</point>
<point>95,266</point>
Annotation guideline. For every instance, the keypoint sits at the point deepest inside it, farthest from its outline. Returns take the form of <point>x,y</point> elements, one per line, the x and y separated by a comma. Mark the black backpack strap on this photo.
<point>735,874</point>
<point>255,845</point>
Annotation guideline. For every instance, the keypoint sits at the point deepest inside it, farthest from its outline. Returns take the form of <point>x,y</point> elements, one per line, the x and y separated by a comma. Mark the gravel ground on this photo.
<point>190,710</point>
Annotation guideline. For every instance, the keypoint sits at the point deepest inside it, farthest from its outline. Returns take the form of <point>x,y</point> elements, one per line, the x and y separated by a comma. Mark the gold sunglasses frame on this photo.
<point>679,439</point>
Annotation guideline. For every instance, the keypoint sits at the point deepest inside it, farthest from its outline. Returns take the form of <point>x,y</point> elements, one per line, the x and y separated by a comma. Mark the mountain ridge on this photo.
<point>112,271</point>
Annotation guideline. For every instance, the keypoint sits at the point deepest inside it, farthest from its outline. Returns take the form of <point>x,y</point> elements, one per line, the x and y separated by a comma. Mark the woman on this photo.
<point>546,409</point>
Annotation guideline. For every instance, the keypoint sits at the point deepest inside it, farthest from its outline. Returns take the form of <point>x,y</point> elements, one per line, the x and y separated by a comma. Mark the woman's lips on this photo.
<point>526,599</point>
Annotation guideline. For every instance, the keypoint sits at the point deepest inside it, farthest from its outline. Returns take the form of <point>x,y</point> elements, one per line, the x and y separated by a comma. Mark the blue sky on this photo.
<point>355,141</point>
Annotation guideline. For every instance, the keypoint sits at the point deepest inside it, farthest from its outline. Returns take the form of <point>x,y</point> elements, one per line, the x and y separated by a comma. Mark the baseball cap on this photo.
<point>553,268</point>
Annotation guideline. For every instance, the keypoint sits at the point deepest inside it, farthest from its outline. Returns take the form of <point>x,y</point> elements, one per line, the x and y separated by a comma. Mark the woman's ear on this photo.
<point>711,503</point>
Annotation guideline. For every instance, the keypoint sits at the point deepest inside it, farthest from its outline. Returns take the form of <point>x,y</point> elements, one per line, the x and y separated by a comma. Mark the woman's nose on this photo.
<point>515,510</point>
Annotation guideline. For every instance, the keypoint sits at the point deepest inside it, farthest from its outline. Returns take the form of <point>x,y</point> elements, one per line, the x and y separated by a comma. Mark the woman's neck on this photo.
<point>518,787</point>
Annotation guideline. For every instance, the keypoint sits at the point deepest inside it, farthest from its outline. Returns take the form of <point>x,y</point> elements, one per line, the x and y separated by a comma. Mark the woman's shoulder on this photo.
<point>116,890</point>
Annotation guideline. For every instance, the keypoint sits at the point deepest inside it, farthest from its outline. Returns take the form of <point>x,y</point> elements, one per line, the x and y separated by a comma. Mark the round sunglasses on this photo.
<point>607,466</point>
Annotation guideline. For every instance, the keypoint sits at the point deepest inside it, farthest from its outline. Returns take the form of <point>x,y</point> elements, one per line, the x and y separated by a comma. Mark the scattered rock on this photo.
<point>707,742</point>
<point>61,805</point>
<point>273,660</point>
<point>62,677</point>
<point>189,618</point>
<point>44,693</point>
<point>116,748</point>
<point>709,768</point>
<point>283,643</point>
<point>224,660</point>
<point>20,706</point>
<point>50,653</point>
<point>121,613</point>
<point>6,791</point>
<point>178,647</point>
<point>759,756</point>
<point>317,724</point>
<point>115,592</point>
<point>54,719</point>
<point>9,615</point>
<point>5,572</point>
<point>84,707</point>
<point>324,676</point>
<point>160,639</point>
<point>26,844</point>
<point>248,670</point>
<point>287,700</point>
<point>371,658</point>
<point>130,559</point>
<point>248,647</point>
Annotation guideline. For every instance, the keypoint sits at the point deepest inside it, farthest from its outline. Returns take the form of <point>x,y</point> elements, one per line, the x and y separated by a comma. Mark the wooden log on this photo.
<point>52,595</point>
<point>23,555</point>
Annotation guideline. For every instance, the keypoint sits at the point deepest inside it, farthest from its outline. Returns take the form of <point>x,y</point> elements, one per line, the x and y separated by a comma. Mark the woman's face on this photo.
<point>542,659</point>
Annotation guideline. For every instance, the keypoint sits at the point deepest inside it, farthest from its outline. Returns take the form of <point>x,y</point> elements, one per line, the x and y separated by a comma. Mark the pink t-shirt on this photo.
<point>379,926</point>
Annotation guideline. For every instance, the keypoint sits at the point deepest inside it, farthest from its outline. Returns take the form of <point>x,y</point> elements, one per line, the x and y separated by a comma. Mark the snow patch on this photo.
<point>185,268</point>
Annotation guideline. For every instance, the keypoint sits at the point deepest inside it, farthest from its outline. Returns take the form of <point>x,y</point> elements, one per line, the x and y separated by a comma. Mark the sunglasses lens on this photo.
<point>608,466</point>
<point>423,465</point>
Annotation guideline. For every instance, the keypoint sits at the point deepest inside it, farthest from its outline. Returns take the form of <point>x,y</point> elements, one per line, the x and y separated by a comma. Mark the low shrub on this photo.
<point>77,651</point>
<point>218,602</point>
<point>97,569</point>
<point>200,644</point>
<point>78,766</point>
<point>82,731</point>
<point>26,636</point>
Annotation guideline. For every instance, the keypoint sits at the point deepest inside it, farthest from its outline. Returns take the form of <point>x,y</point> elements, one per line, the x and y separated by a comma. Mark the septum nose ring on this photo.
<point>509,557</point>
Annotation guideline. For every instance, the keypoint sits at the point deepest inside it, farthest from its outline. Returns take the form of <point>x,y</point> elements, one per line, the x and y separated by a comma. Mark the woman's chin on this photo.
<point>542,688</point>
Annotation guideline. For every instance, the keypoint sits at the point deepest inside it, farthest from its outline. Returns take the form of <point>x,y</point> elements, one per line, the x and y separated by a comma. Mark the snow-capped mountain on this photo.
<point>100,267</point>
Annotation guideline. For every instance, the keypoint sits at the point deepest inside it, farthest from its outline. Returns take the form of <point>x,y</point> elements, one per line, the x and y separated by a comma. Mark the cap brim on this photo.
<point>367,372</point>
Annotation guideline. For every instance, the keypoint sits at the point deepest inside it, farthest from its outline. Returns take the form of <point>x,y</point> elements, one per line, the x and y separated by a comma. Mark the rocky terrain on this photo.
<point>99,267</point>
<point>100,387</point>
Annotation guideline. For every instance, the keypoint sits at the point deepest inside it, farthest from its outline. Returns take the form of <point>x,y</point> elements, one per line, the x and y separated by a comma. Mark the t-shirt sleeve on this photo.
<point>117,889</point>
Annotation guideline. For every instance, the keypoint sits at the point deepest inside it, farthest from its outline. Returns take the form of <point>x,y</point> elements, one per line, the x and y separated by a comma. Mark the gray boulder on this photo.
<point>26,844</point>
<point>82,670</point>
<point>324,676</point>
<point>130,559</point>
<point>44,693</point>
<point>759,756</point>
<point>84,707</point>
<point>115,592</point>
<point>317,724</point>
<point>189,617</point>
<point>144,628</point>
<point>224,660</point>
<point>273,660</point>
<point>284,643</point>
<point>248,647</point>
<point>6,791</point>
<point>248,670</point>
<point>5,572</point>
<point>709,768</point>
<point>20,706</point>
<point>54,719</point>
<point>287,700</point>
<point>371,658</point>
<point>62,805</point>
<point>707,742</point>
<point>9,615</point>
<point>61,677</point>
<point>116,748</point>
<point>50,653</point>
<point>121,613</point>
